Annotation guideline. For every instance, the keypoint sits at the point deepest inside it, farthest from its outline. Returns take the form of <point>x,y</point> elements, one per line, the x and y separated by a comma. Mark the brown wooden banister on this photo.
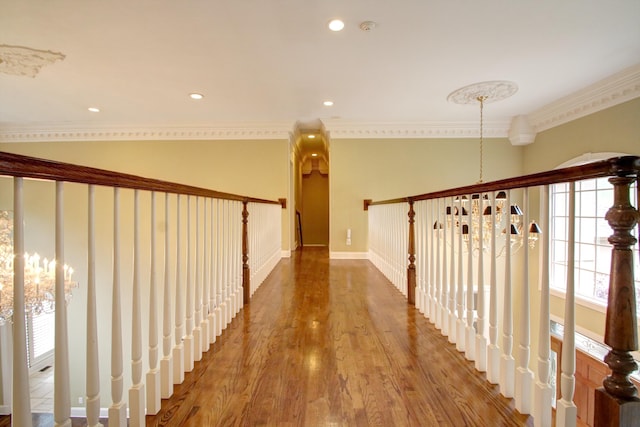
<point>617,403</point>
<point>32,167</point>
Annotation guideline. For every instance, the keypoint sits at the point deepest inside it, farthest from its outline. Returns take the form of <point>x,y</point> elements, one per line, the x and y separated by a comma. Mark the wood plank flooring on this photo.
<point>333,343</point>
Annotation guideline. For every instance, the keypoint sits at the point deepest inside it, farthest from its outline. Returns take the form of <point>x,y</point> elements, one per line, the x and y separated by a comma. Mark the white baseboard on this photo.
<point>286,253</point>
<point>81,412</point>
<point>348,255</point>
<point>5,410</point>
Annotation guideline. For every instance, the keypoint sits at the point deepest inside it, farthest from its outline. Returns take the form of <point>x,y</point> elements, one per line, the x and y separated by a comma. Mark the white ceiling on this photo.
<point>264,65</point>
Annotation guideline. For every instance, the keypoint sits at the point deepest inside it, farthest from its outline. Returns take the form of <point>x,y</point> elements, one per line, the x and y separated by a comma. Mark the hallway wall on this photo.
<point>315,209</point>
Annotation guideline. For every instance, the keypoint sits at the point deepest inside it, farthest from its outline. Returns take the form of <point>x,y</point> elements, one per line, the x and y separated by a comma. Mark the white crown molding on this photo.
<point>234,131</point>
<point>370,130</point>
<point>616,89</point>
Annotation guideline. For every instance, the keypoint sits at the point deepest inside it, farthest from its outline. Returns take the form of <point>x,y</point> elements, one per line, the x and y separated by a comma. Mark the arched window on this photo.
<point>594,197</point>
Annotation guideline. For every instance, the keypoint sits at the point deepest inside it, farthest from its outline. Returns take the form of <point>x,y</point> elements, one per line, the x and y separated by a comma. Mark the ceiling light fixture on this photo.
<point>311,136</point>
<point>196,95</point>
<point>94,109</point>
<point>336,25</point>
<point>327,103</point>
<point>314,155</point>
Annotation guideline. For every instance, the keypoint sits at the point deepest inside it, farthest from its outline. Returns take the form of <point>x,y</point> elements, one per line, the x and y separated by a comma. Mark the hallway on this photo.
<point>332,343</point>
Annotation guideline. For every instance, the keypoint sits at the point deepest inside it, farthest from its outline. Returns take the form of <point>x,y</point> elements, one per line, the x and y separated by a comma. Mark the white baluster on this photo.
<point>153,375</point>
<point>166,363</point>
<point>197,330</point>
<point>493,351</point>
<point>507,362</point>
<point>220,266</point>
<point>118,408</point>
<point>188,338</point>
<point>93,364</point>
<point>470,342</point>
<point>62,393</point>
<point>433,275</point>
<point>567,413</point>
<point>206,256</point>
<point>136,391</point>
<point>178,349</point>
<point>452,280</point>
<point>481,340</point>
<point>21,402</point>
<point>438,268</point>
<point>461,342</point>
<point>524,375</point>
<point>543,392</point>
<point>212,275</point>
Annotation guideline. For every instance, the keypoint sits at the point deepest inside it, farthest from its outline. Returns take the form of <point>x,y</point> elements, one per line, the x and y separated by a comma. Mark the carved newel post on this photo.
<point>617,404</point>
<point>411,270</point>
<point>246,276</point>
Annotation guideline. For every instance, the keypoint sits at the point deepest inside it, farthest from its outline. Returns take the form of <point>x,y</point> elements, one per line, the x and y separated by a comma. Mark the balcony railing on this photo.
<point>184,258</point>
<point>441,250</point>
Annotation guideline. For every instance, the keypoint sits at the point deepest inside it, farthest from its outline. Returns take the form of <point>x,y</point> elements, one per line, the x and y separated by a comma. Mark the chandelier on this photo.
<point>478,211</point>
<point>39,277</point>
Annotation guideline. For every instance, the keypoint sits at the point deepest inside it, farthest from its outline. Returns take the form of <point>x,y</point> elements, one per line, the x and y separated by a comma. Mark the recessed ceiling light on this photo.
<point>336,25</point>
<point>94,109</point>
<point>328,103</point>
<point>196,96</point>
<point>314,155</point>
<point>311,136</point>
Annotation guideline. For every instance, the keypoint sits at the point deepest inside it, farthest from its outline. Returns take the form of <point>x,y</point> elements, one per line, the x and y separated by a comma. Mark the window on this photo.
<point>594,197</point>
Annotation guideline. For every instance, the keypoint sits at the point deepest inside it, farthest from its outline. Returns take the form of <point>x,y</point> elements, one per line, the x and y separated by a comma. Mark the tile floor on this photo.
<point>41,384</point>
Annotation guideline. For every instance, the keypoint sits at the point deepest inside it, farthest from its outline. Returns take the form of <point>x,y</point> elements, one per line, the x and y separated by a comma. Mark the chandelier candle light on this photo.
<point>480,209</point>
<point>39,277</point>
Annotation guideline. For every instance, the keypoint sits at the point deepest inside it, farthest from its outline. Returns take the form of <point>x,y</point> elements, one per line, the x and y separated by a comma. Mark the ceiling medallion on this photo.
<point>490,91</point>
<point>24,61</point>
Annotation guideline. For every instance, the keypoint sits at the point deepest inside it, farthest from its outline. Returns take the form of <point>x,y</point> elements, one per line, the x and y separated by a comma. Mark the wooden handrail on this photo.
<point>33,167</point>
<point>616,166</point>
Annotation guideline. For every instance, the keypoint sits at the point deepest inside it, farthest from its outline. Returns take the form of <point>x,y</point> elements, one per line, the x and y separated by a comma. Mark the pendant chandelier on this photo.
<point>39,277</point>
<point>480,210</point>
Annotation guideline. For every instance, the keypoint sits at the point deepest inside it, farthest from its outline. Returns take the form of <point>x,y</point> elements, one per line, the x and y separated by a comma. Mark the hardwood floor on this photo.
<point>333,343</point>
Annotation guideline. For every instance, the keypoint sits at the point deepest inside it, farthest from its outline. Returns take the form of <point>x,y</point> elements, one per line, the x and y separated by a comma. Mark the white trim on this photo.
<point>580,300</point>
<point>5,410</point>
<point>286,253</point>
<point>444,129</point>
<point>348,255</point>
<point>609,92</point>
<point>81,412</point>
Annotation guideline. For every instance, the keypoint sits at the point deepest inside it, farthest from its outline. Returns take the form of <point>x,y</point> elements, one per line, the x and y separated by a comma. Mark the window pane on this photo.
<point>589,184</point>
<point>586,230</point>
<point>587,204</point>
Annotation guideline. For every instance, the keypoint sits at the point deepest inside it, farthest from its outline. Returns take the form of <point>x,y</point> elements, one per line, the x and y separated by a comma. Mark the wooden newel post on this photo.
<point>411,270</point>
<point>617,403</point>
<point>246,273</point>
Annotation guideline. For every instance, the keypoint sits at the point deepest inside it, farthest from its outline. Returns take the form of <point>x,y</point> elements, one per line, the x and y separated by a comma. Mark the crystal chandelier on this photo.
<point>39,277</point>
<point>478,211</point>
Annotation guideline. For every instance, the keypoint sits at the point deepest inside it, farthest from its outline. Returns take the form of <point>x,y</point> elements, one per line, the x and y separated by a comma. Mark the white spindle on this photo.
<point>524,375</point>
<point>212,275</point>
<point>444,284</point>
<point>433,249</point>
<point>470,342</point>
<point>543,392</point>
<point>225,270</point>
<point>493,351</point>
<point>197,303</point>
<point>188,338</point>
<point>166,364</point>
<point>567,412</point>
<point>118,408</point>
<point>93,365</point>
<point>62,393</point>
<point>219,254</point>
<point>206,257</point>
<point>438,264</point>
<point>507,362</point>
<point>136,392</point>
<point>481,340</point>
<point>178,349</point>
<point>21,402</point>
<point>452,280</point>
<point>461,341</point>
<point>153,375</point>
